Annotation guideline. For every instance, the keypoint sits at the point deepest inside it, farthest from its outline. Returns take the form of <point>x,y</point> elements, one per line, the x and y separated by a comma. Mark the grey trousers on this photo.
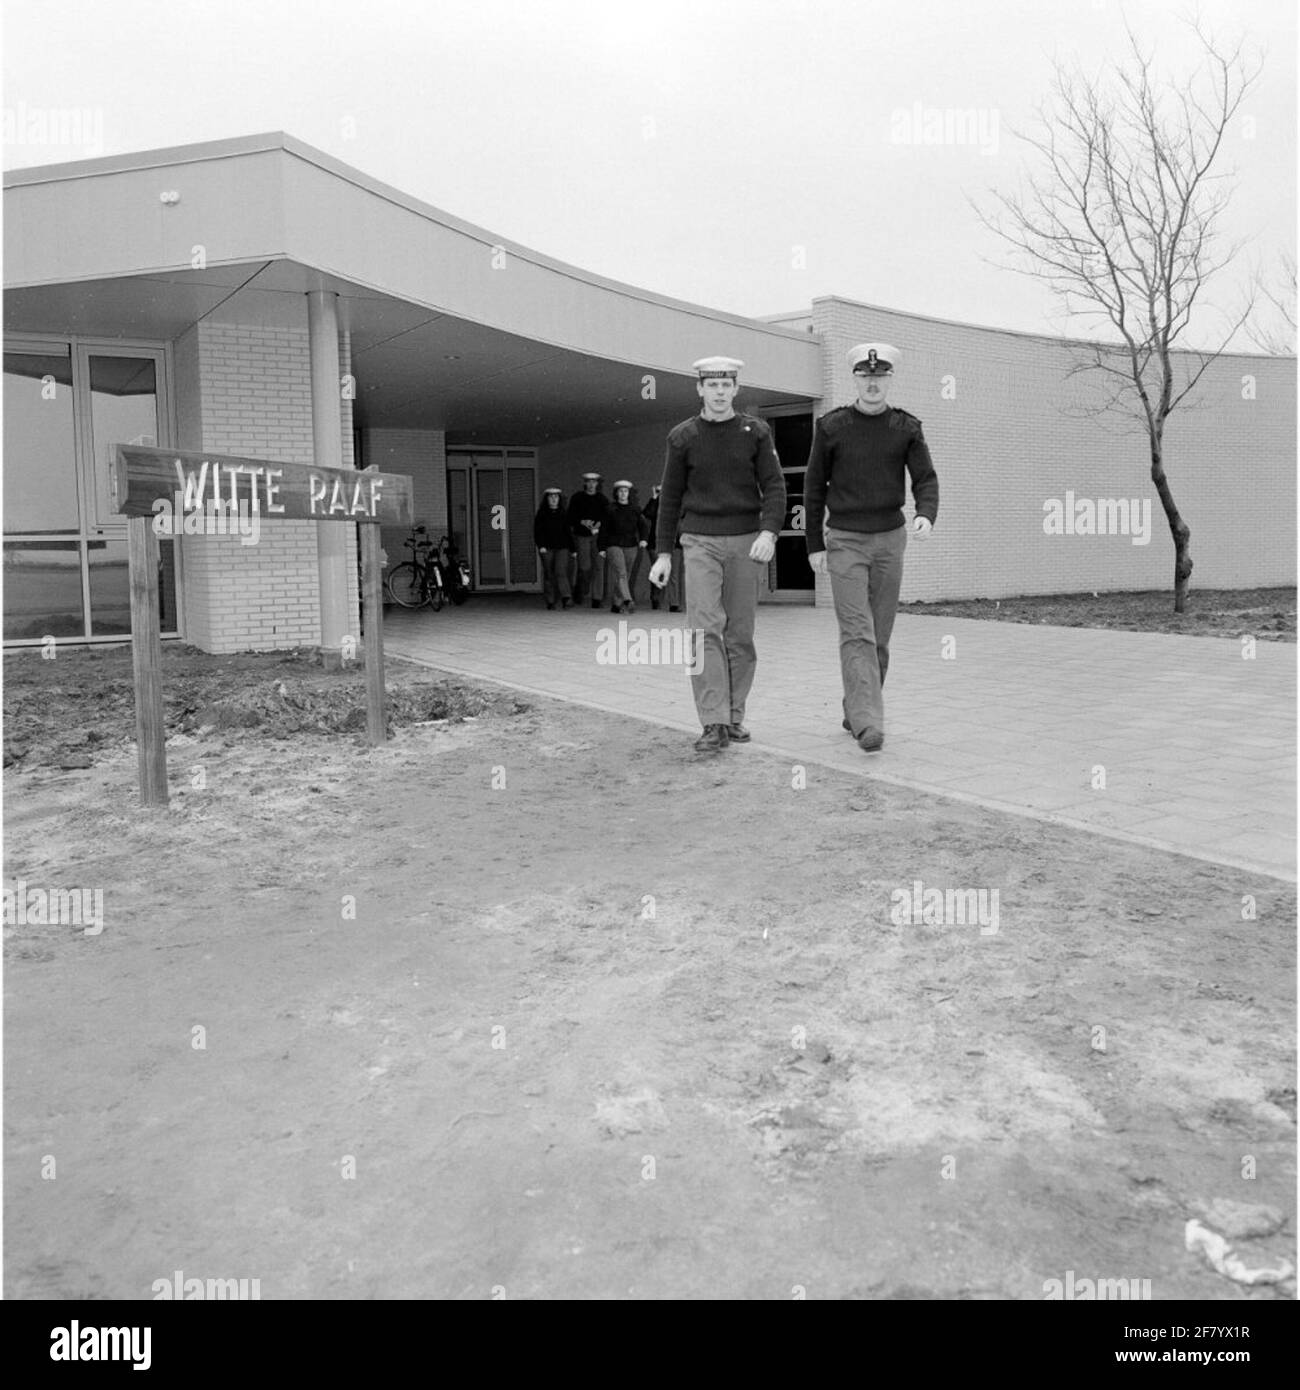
<point>591,571</point>
<point>555,575</point>
<point>619,563</point>
<point>721,601</point>
<point>866,570</point>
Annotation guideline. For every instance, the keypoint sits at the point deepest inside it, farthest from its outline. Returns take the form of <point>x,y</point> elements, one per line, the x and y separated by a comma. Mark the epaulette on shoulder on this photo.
<point>904,419</point>
<point>835,417</point>
<point>680,433</point>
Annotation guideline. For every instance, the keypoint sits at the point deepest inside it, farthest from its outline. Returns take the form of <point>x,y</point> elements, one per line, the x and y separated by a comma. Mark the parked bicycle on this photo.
<point>417,581</point>
<point>455,572</point>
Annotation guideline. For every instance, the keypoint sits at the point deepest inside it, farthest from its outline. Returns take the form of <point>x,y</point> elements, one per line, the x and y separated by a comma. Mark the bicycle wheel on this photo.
<point>403,583</point>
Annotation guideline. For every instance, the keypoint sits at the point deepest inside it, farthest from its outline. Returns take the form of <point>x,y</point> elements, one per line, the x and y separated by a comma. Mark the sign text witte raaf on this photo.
<point>220,483</point>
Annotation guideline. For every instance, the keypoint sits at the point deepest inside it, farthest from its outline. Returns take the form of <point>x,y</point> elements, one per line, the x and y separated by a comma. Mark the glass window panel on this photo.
<point>110,590</point>
<point>40,460</point>
<point>123,410</point>
<point>458,509</point>
<point>522,507</point>
<point>42,590</point>
<point>110,593</point>
<point>167,585</point>
<point>491,569</point>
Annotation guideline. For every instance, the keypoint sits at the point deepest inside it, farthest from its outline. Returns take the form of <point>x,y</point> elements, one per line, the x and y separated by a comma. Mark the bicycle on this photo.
<point>417,581</point>
<point>455,572</point>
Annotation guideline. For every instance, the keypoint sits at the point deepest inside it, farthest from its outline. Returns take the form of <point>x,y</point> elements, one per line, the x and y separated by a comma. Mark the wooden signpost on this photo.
<point>177,493</point>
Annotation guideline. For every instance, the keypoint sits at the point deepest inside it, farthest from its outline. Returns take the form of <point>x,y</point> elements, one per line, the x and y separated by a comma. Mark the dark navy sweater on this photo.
<point>721,478</point>
<point>857,470</point>
<point>625,526</point>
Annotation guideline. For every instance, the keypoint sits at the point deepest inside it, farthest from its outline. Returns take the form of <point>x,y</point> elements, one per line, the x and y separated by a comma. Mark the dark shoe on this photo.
<point>871,740</point>
<point>713,740</point>
<point>596,603</point>
<point>549,606</point>
<point>566,603</point>
<point>629,607</point>
<point>673,608</point>
<point>654,604</point>
<point>737,733</point>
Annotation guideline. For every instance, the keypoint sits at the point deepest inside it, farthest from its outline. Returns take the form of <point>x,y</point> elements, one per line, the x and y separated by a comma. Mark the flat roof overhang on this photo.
<point>451,327</point>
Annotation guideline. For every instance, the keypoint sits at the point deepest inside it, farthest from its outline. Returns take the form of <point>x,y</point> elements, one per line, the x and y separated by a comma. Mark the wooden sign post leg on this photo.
<point>146,659</point>
<point>372,618</point>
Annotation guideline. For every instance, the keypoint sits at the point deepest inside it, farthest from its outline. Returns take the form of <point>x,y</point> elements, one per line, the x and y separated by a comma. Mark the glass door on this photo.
<point>68,404</point>
<point>491,502</point>
<point>490,522</point>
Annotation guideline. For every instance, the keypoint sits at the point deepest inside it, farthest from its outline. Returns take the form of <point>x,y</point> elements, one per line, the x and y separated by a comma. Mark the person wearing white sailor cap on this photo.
<point>854,491</point>
<point>554,547</point>
<point>622,538</point>
<point>588,511</point>
<point>723,482</point>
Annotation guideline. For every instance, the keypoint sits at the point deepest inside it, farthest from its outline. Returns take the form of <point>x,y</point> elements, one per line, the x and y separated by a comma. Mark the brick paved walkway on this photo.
<point>1198,744</point>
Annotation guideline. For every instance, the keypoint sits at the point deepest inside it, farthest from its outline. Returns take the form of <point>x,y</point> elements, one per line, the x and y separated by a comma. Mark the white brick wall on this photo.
<point>422,456</point>
<point>1006,444</point>
<point>254,399</point>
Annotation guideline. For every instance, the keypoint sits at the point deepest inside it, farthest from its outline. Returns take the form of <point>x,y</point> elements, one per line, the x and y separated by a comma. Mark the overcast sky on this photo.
<point>748,156</point>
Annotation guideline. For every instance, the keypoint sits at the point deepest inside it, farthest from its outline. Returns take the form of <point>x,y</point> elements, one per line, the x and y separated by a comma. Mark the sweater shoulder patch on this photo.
<point>755,423</point>
<point>683,433</point>
<point>834,420</point>
<point>904,420</point>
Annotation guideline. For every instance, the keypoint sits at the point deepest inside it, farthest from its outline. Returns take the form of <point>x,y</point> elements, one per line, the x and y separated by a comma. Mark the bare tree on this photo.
<point>1122,225</point>
<point>1280,337</point>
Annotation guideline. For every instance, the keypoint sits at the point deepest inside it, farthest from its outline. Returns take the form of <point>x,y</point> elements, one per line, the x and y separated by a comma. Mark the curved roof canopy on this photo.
<point>451,326</point>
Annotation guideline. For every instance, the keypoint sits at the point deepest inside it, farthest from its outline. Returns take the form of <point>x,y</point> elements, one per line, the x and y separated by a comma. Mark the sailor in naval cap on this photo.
<point>723,483</point>
<point>588,511</point>
<point>554,547</point>
<point>854,491</point>
<point>622,539</point>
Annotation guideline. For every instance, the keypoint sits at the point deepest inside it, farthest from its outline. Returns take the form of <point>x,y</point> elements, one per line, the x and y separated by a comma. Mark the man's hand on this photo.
<point>601,553</point>
<point>817,560</point>
<point>921,528</point>
<point>541,550</point>
<point>660,571</point>
<point>763,548</point>
<point>643,544</point>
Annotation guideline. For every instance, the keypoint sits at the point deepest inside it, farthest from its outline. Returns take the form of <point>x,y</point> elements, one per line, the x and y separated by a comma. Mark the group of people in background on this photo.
<point>595,548</point>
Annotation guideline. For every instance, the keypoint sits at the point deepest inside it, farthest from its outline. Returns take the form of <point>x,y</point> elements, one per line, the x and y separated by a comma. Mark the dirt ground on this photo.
<point>534,1003</point>
<point>1267,614</point>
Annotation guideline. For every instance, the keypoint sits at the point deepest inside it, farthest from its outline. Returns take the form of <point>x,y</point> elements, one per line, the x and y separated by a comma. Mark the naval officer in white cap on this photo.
<point>862,456</point>
<point>723,482</point>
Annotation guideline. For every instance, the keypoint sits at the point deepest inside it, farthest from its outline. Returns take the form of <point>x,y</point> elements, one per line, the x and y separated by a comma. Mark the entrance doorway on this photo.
<point>790,578</point>
<point>491,502</point>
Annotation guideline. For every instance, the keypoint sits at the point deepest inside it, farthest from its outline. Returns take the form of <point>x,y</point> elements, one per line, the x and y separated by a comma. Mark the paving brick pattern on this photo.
<point>1196,745</point>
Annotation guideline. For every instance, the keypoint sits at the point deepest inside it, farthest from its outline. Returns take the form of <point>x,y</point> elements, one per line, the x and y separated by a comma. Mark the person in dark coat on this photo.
<point>623,536</point>
<point>854,490</point>
<point>724,489</point>
<point>587,512</point>
<point>553,539</point>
